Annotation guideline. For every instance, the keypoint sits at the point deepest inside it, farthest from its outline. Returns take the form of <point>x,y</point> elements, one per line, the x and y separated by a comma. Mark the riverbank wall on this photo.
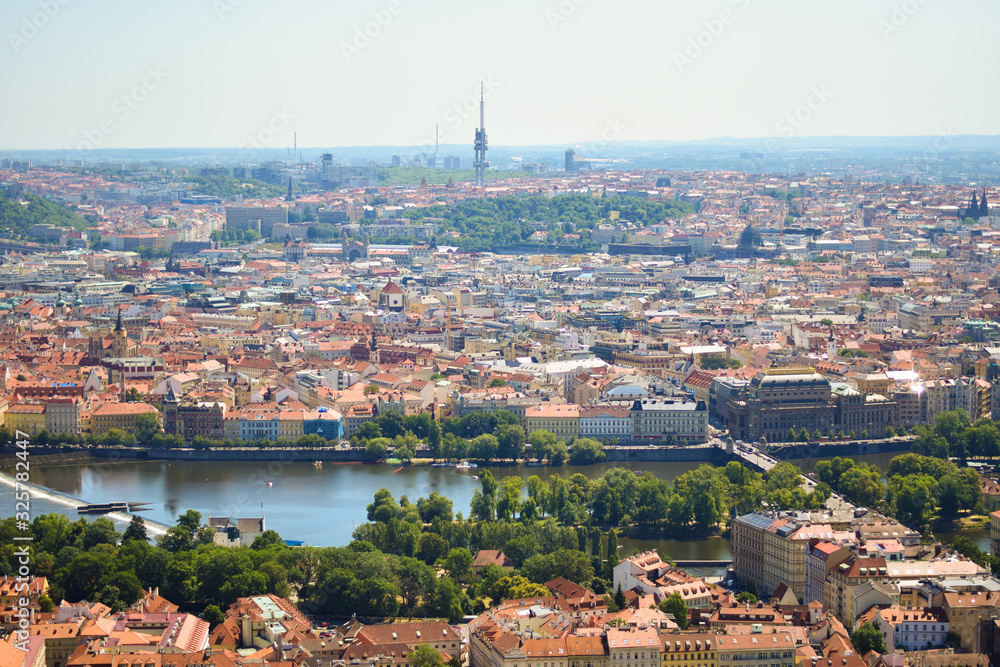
<point>700,453</point>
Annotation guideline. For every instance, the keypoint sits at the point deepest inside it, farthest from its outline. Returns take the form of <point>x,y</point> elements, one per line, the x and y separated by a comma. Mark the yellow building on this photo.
<point>290,424</point>
<point>122,416</point>
<point>689,649</point>
<point>26,418</point>
<point>561,420</point>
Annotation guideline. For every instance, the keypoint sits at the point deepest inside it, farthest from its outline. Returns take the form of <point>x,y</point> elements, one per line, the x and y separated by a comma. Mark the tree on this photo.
<point>620,600</point>
<point>458,563</point>
<point>136,530</point>
<point>425,656</point>
<point>434,507</point>
<point>497,382</point>
<point>213,615</point>
<point>676,606</point>
<point>586,450</point>
<point>510,441</point>
<point>376,450</point>
<point>371,389</point>
<point>133,395</point>
<point>867,638</point>
<point>890,432</point>
<point>146,426</point>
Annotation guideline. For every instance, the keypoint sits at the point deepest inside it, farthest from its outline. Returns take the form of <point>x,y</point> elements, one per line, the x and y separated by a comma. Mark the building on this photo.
<point>689,649</point>
<point>258,219</point>
<point>779,400</point>
<point>606,423</point>
<point>910,628</point>
<point>561,420</point>
<point>762,553</point>
<point>995,533</point>
<point>230,532</point>
<point>193,418</point>
<point>632,646</point>
<point>775,649</point>
<point>62,414</point>
<point>669,421</point>
<point>121,416</point>
<point>26,418</point>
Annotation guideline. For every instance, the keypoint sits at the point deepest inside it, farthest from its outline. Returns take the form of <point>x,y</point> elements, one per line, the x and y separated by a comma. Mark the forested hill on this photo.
<point>18,214</point>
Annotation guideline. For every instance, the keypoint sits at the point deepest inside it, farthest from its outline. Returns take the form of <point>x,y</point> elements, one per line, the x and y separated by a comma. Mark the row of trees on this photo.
<point>912,489</point>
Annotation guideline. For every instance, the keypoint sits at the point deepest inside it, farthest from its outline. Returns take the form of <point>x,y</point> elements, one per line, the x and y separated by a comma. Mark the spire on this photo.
<point>118,325</point>
<point>984,208</point>
<point>171,397</point>
<point>289,196</point>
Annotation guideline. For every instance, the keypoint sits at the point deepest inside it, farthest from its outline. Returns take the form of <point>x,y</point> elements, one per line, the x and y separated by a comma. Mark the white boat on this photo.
<point>464,465</point>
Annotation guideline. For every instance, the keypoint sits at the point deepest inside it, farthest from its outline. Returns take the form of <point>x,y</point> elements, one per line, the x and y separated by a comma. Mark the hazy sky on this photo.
<point>181,73</point>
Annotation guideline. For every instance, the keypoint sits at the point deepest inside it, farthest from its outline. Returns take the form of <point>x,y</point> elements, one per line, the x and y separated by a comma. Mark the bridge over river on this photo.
<point>757,460</point>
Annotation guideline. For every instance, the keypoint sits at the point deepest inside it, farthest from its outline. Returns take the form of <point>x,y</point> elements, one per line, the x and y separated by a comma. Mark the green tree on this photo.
<point>136,530</point>
<point>212,615</point>
<point>497,382</point>
<point>424,655</point>
<point>146,426</point>
<point>376,450</point>
<point>458,563</point>
<point>585,451</point>
<point>867,638</point>
<point>675,605</point>
<point>620,600</point>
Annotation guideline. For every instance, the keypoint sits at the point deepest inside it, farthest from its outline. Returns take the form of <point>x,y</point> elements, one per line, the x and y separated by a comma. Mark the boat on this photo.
<point>269,483</point>
<point>463,465</point>
<point>475,477</point>
<point>317,464</point>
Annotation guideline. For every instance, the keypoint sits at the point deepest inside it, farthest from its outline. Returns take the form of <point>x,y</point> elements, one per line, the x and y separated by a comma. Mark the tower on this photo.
<point>570,159</point>
<point>974,207</point>
<point>480,145</point>
<point>984,208</point>
<point>831,346</point>
<point>373,353</point>
<point>170,409</point>
<point>289,196</point>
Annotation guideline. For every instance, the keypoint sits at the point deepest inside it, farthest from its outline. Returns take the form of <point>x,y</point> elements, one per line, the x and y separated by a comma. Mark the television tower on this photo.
<point>481,163</point>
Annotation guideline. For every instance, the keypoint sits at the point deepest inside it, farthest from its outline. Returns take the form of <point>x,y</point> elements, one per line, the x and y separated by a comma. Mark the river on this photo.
<point>323,506</point>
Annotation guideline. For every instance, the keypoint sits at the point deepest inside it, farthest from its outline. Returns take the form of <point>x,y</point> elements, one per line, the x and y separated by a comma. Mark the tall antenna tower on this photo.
<point>480,145</point>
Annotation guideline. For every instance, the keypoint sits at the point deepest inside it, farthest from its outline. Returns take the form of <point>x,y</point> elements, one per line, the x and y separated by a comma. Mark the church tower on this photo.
<point>119,342</point>
<point>374,355</point>
<point>831,346</point>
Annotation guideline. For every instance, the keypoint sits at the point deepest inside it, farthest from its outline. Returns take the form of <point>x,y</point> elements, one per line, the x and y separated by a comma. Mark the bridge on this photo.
<point>757,460</point>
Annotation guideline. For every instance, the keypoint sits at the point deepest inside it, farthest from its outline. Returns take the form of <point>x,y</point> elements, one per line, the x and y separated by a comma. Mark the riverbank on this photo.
<point>692,454</point>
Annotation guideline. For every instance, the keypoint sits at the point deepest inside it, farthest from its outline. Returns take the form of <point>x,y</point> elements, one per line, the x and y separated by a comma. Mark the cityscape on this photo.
<point>569,334</point>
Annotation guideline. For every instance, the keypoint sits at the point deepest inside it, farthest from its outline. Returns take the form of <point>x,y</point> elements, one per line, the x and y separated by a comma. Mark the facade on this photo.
<point>62,414</point>
<point>781,399</point>
<point>667,421</point>
<point>631,646</point>
<point>757,650</point>
<point>122,416</point>
<point>25,417</point>
<point>606,423</point>
<point>259,219</point>
<point>995,533</point>
<point>912,629</point>
<point>561,420</point>
<point>689,649</point>
<point>764,554</point>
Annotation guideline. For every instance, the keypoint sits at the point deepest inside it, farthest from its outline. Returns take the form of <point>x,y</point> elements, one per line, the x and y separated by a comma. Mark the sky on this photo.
<point>211,73</point>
